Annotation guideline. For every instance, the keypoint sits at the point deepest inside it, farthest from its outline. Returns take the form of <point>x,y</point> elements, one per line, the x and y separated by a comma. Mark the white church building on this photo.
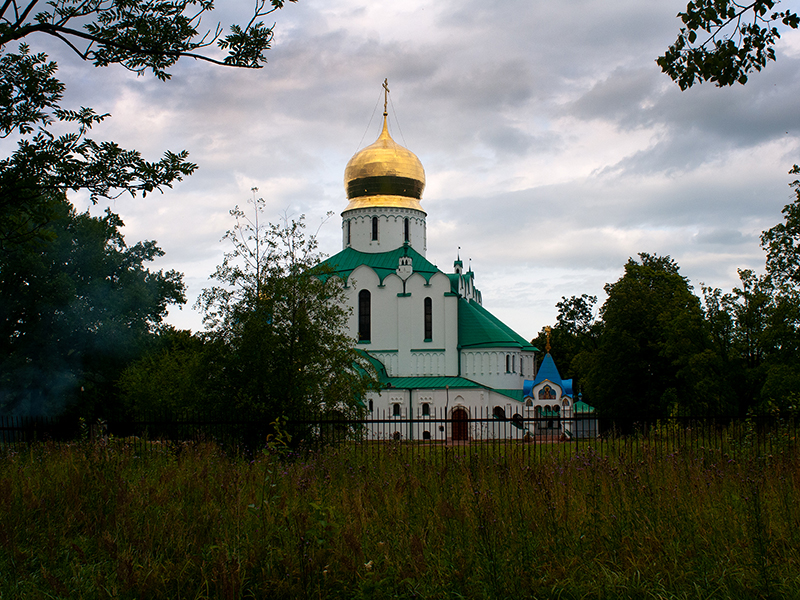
<point>441,356</point>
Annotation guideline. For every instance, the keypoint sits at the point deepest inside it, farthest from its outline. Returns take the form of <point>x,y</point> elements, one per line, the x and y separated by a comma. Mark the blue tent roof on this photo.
<point>548,370</point>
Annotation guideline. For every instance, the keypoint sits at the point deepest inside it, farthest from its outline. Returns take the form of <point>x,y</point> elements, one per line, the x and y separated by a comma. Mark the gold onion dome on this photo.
<point>384,174</point>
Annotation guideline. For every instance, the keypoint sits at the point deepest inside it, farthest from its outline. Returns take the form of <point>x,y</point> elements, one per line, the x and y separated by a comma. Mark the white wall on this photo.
<point>391,229</point>
<point>397,322</point>
<point>487,366</point>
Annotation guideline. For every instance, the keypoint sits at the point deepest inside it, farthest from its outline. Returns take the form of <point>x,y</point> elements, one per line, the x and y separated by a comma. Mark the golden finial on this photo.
<point>547,330</point>
<point>385,96</point>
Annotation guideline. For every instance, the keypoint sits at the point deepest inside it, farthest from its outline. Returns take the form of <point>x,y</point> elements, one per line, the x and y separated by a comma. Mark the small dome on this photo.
<point>384,174</point>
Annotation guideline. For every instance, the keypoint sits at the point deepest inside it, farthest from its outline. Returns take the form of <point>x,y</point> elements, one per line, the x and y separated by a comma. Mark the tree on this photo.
<point>180,375</point>
<point>738,38</point>
<point>281,318</point>
<point>139,34</point>
<point>78,304</point>
<point>651,346</point>
<point>782,245</point>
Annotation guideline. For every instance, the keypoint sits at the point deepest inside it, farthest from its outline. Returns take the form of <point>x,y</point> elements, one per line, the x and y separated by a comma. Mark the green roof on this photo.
<point>478,328</point>
<point>430,383</point>
<point>513,394</point>
<point>383,263</point>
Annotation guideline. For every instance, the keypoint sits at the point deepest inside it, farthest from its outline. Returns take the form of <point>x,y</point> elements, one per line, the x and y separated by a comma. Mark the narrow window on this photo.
<point>426,410</point>
<point>348,233</point>
<point>374,229</point>
<point>508,363</point>
<point>513,363</point>
<point>364,316</point>
<point>395,410</point>
<point>428,319</point>
<point>405,230</point>
<point>370,406</point>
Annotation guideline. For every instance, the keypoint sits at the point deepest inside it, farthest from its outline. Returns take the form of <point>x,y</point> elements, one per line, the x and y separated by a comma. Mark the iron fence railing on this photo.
<point>479,431</point>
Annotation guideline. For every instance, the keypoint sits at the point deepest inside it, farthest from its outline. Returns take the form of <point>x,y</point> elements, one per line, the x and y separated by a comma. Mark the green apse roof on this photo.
<point>478,328</point>
<point>383,263</point>
<point>427,383</point>
<point>431,383</point>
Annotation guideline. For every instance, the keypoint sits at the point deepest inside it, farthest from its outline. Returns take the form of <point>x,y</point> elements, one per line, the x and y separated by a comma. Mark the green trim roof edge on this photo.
<point>384,264</point>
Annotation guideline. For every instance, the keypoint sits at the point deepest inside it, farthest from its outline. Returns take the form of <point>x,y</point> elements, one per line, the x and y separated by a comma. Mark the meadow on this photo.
<point>108,520</point>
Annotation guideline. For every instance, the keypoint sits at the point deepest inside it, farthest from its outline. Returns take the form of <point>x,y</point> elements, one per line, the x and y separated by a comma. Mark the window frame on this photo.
<point>428,319</point>
<point>364,316</point>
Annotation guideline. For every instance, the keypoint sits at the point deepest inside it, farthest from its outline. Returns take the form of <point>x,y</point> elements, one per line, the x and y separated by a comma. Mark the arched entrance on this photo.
<point>460,425</point>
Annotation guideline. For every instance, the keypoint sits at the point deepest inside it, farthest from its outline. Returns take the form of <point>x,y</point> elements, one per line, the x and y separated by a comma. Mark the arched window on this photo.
<point>374,229</point>
<point>499,413</point>
<point>370,406</point>
<point>348,232</point>
<point>396,409</point>
<point>508,363</point>
<point>426,409</point>
<point>428,319</point>
<point>364,319</point>
<point>426,435</point>
<point>405,230</point>
<point>513,363</point>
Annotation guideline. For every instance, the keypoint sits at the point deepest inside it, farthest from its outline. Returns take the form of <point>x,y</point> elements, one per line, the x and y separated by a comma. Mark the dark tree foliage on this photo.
<point>651,346</point>
<point>782,244</point>
<point>180,376</point>
<point>77,305</point>
<point>754,331</point>
<point>736,38</point>
<point>140,35</point>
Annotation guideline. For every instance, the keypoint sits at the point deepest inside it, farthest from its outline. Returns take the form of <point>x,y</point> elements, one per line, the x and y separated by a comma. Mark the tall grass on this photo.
<point>189,521</point>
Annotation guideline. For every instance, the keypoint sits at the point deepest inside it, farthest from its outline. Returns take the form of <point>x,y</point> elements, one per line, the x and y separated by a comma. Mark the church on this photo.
<point>437,350</point>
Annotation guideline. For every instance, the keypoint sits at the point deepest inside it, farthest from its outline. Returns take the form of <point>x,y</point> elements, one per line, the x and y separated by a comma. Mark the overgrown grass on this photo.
<point>92,521</point>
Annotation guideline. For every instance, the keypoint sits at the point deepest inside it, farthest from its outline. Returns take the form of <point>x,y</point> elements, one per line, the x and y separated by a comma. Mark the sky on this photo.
<point>554,148</point>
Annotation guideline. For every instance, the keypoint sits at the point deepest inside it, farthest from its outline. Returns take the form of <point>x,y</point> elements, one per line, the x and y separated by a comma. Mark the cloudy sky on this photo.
<point>554,148</point>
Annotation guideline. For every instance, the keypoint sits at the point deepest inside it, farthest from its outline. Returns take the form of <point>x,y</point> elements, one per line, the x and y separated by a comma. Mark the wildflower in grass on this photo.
<point>368,566</point>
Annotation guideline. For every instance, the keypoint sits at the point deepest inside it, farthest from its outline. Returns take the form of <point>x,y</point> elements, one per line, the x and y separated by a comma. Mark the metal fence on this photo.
<point>474,431</point>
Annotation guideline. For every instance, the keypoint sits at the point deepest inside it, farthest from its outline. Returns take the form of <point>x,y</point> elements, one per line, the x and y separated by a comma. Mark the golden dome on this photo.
<point>384,174</point>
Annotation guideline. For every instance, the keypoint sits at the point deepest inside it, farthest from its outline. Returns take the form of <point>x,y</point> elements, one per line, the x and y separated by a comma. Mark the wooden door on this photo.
<point>460,425</point>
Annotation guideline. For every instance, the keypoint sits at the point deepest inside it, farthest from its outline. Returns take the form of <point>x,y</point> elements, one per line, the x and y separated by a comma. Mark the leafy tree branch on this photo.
<point>141,35</point>
<point>736,39</point>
